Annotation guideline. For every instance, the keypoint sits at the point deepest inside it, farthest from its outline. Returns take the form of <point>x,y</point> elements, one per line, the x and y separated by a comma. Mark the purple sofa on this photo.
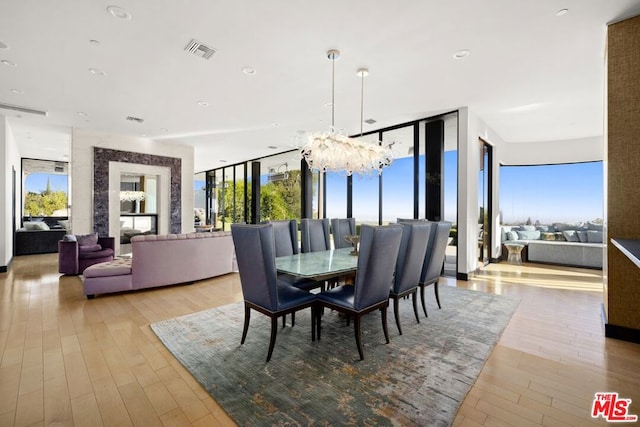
<point>74,256</point>
<point>164,260</point>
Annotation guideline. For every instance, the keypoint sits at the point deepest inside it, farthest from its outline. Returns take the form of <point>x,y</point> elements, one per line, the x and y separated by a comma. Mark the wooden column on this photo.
<point>622,276</point>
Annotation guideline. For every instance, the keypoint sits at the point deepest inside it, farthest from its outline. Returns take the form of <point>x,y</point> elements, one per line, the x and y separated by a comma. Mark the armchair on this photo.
<point>76,253</point>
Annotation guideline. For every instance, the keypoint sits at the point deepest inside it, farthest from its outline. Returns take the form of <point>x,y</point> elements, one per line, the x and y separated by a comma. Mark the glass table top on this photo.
<point>318,264</point>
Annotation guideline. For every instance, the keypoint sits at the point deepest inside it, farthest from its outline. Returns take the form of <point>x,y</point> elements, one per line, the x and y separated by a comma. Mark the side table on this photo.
<point>515,251</point>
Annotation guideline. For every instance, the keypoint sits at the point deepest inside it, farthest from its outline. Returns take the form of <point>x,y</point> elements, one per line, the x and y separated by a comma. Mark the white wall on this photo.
<point>553,152</point>
<point>470,129</point>
<point>9,160</point>
<point>82,143</point>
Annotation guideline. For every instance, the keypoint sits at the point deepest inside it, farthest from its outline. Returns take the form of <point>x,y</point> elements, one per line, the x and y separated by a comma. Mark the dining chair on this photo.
<point>434,260</point>
<point>413,247</point>
<point>315,234</point>
<point>261,290</point>
<point>341,227</point>
<point>285,234</point>
<point>379,248</point>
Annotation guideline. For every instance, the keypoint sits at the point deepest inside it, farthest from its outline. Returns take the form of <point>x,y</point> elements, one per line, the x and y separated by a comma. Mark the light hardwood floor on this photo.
<point>69,361</point>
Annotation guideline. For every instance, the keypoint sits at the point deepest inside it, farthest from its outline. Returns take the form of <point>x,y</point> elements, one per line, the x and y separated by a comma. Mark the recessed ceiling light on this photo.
<point>562,12</point>
<point>275,124</point>
<point>328,104</point>
<point>370,121</point>
<point>203,103</point>
<point>94,42</point>
<point>97,72</point>
<point>222,161</point>
<point>19,116</point>
<point>9,63</point>
<point>144,135</point>
<point>164,130</point>
<point>3,46</point>
<point>18,91</point>
<point>249,71</point>
<point>82,114</point>
<point>461,53</point>
<point>273,147</point>
<point>119,12</point>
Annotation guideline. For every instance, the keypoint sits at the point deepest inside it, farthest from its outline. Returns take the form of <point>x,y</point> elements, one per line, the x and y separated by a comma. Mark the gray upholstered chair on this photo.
<point>315,234</point>
<point>285,233</point>
<point>341,227</point>
<point>413,247</point>
<point>376,263</point>
<point>434,259</point>
<point>255,253</point>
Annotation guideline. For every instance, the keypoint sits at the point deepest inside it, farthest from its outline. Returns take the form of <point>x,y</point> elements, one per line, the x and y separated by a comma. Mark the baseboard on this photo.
<point>622,333</point>
<point>462,276</point>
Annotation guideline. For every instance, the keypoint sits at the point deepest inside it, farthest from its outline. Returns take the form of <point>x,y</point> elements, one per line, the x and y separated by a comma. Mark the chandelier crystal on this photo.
<point>332,151</point>
<point>132,196</point>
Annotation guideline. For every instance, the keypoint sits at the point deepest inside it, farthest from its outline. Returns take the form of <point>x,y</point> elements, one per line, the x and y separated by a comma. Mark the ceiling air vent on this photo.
<point>199,49</point>
<point>22,109</point>
<point>135,119</point>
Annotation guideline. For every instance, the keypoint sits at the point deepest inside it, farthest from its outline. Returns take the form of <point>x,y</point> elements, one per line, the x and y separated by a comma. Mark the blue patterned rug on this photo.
<point>420,378</point>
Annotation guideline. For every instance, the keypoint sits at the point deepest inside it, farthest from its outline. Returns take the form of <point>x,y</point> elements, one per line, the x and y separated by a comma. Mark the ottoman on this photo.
<point>106,277</point>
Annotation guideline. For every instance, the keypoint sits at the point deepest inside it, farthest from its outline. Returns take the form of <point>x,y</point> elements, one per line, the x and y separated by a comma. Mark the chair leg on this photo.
<point>293,319</point>
<point>383,311</point>
<point>358,332</point>
<point>319,311</point>
<point>313,321</point>
<point>414,297</point>
<point>247,316</point>
<point>396,312</point>
<point>424,307</point>
<point>284,320</point>
<point>274,331</point>
<point>435,287</point>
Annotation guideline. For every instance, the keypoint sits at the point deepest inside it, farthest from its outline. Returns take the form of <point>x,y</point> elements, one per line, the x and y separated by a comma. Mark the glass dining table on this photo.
<point>319,265</point>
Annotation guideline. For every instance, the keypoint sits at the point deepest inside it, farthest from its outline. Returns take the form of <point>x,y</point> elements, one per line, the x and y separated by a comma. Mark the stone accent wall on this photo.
<point>101,159</point>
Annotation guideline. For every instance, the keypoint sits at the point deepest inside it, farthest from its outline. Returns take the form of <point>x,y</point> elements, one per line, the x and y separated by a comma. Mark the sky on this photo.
<point>37,182</point>
<point>552,193</point>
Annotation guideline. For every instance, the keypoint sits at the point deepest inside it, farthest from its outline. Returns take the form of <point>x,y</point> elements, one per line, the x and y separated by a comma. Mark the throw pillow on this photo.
<point>570,236</point>
<point>559,236</point>
<point>543,228</point>
<point>65,223</point>
<point>594,236</point>
<point>528,227</point>
<point>548,236</point>
<point>89,248</point>
<point>582,236</point>
<point>87,239</point>
<point>594,226</point>
<point>512,235</point>
<point>528,235</point>
<point>69,238</point>
<point>35,225</point>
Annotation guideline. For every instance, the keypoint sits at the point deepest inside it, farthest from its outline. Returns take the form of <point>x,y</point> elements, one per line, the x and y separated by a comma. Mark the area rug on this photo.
<point>420,378</point>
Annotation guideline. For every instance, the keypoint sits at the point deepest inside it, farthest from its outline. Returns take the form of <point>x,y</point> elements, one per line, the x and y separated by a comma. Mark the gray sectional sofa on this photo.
<point>577,245</point>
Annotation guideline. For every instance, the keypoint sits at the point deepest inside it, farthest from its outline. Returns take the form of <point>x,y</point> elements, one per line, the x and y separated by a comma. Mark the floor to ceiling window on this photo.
<point>397,179</point>
<point>548,194</point>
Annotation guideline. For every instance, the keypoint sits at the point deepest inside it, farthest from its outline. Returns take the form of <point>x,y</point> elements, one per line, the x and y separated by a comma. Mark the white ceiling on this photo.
<point>531,75</point>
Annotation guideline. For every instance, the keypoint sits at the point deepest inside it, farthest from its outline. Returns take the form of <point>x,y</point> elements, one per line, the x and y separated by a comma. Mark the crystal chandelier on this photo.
<point>132,196</point>
<point>332,151</point>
